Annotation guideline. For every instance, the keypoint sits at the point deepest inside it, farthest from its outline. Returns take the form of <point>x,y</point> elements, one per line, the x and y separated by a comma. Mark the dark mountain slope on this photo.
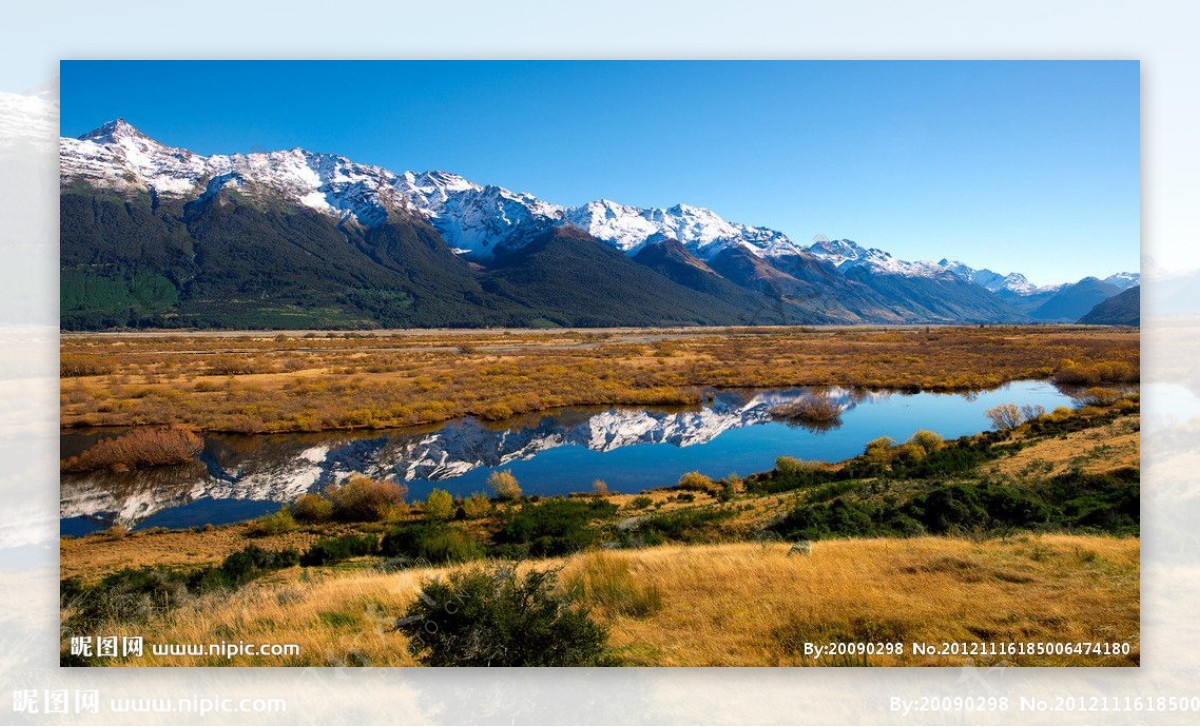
<point>223,262</point>
<point>1123,309</point>
<point>671,259</point>
<point>1075,300</point>
<point>570,278</point>
<point>946,299</point>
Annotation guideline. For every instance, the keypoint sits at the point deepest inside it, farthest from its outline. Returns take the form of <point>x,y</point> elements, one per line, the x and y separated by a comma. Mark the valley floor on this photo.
<point>314,381</point>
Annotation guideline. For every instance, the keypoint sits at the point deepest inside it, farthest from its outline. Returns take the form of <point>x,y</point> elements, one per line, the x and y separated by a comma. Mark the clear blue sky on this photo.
<point>1027,166</point>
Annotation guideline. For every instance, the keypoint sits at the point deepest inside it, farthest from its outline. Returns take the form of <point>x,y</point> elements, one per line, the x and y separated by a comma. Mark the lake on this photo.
<point>237,477</point>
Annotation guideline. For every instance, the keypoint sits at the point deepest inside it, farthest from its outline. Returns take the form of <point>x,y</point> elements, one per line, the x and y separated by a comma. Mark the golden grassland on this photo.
<point>1096,449</point>
<point>267,382</point>
<point>730,604</point>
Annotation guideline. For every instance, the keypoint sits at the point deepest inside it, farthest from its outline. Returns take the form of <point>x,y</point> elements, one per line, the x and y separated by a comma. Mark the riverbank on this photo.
<point>1021,535</point>
<point>318,381</point>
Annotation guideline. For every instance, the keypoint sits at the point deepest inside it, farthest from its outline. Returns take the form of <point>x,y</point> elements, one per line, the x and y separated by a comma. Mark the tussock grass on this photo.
<point>257,382</point>
<point>729,604</point>
<point>144,447</point>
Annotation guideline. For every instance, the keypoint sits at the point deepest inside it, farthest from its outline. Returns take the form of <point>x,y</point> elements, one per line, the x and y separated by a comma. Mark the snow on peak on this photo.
<point>993,281</point>
<point>474,219</point>
<point>1124,281</point>
<point>701,230</point>
<point>113,132</point>
<point>847,255</point>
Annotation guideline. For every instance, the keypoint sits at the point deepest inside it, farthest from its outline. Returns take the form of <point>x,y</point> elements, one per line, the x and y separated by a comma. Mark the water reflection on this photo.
<point>236,476</point>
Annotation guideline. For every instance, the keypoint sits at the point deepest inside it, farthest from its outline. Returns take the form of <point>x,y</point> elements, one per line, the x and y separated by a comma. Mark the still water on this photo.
<point>237,477</point>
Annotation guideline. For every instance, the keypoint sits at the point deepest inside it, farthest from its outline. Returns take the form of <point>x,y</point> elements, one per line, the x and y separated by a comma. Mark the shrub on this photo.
<point>138,594</point>
<point>504,485</point>
<point>433,543</point>
<point>1032,412</point>
<point>243,566</point>
<point>607,581</point>
<point>696,481</point>
<point>909,452</point>
<point>1090,374</point>
<point>276,523</point>
<point>70,365</point>
<point>138,448</point>
<point>327,551</point>
<point>693,525</point>
<point>439,505</point>
<point>312,508</point>
<point>880,444</point>
<point>1100,396</point>
<point>790,466</point>
<point>927,440</point>
<point>817,410</point>
<point>360,498</point>
<point>553,527</point>
<point>641,502</point>
<point>1005,416</point>
<point>476,506</point>
<point>600,488</point>
<point>497,618</point>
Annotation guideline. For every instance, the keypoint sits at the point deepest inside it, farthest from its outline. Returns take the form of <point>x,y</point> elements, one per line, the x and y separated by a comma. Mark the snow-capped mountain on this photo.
<point>475,219</point>
<point>847,255</point>
<point>118,156</point>
<point>700,230</point>
<point>993,281</point>
<point>369,256</point>
<point>1124,281</point>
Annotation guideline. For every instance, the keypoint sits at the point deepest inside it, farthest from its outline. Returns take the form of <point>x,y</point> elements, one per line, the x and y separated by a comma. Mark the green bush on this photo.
<point>328,551</point>
<point>552,527</point>
<point>439,505</point>
<point>137,594</point>
<point>477,506</point>
<point>497,618</point>
<point>927,440</point>
<point>692,525</point>
<point>276,523</point>
<point>434,543</point>
<point>312,508</point>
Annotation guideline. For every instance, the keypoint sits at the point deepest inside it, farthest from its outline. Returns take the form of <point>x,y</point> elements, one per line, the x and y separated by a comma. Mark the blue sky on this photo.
<point>1027,166</point>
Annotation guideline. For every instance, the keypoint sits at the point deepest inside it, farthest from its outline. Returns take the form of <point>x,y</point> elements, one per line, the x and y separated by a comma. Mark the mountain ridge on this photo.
<point>444,243</point>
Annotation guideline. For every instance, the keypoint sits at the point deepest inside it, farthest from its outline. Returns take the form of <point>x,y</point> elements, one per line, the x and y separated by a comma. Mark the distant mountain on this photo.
<point>153,235</point>
<point>1123,309</point>
<point>930,291</point>
<point>576,281</point>
<point>1074,301</point>
<point>1124,281</point>
<point>993,281</point>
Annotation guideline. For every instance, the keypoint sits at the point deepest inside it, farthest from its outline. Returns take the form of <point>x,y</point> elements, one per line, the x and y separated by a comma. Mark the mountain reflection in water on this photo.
<point>241,476</point>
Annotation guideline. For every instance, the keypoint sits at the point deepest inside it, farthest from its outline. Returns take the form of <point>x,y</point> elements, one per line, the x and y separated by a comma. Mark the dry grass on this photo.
<point>143,447</point>
<point>257,382</point>
<point>1094,450</point>
<point>94,556</point>
<point>737,604</point>
<point>815,409</point>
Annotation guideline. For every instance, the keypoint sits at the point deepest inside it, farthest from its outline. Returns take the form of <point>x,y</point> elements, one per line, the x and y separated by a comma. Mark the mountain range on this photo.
<point>158,236</point>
